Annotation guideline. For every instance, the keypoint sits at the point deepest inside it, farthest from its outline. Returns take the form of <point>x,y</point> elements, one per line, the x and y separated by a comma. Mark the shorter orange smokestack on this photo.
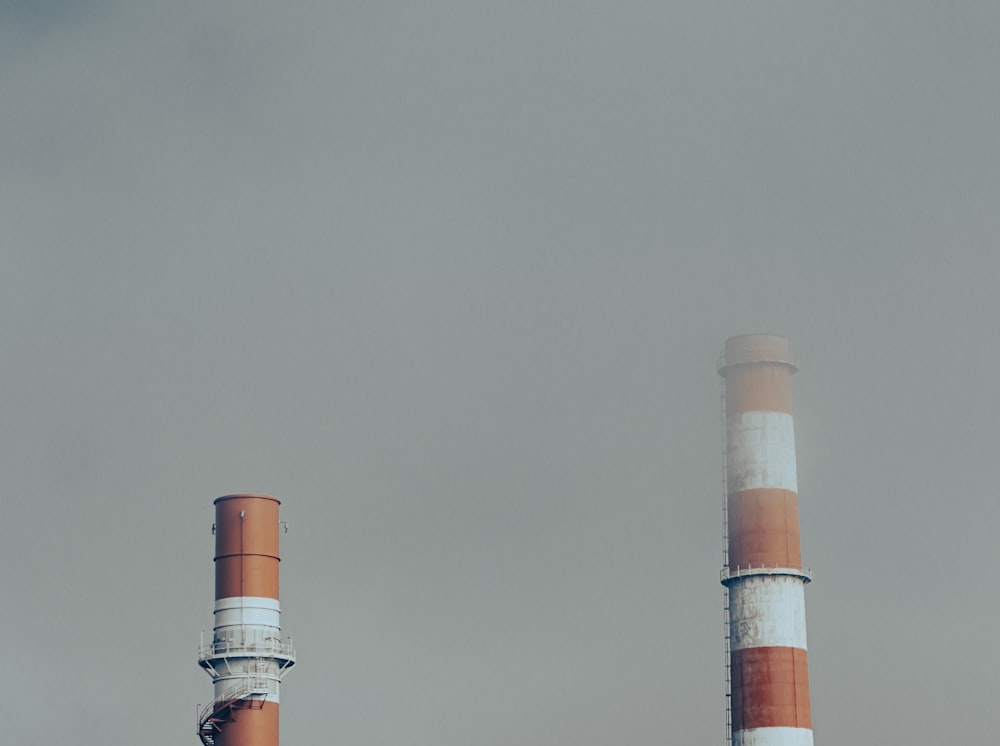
<point>246,657</point>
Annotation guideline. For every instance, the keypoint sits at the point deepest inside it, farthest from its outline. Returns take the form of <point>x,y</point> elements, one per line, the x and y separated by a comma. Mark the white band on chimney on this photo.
<point>773,737</point>
<point>766,611</point>
<point>760,451</point>
<point>254,610</point>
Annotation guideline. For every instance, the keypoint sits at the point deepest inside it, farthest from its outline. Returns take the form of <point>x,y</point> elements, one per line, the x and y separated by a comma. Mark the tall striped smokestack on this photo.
<point>763,574</point>
<point>246,657</point>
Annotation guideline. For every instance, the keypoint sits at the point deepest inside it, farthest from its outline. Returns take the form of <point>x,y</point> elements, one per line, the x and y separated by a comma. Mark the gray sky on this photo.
<point>451,279</point>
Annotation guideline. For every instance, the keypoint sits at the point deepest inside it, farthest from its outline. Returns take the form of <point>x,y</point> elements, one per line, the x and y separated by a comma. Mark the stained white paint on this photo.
<point>773,737</point>
<point>760,451</point>
<point>225,685</point>
<point>767,610</point>
<point>255,610</point>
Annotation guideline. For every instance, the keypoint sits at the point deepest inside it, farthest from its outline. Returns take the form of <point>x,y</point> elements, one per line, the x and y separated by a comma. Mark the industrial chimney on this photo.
<point>767,671</point>
<point>246,657</point>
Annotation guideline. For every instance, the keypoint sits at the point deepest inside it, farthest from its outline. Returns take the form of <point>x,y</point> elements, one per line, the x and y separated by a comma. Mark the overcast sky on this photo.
<point>451,280</point>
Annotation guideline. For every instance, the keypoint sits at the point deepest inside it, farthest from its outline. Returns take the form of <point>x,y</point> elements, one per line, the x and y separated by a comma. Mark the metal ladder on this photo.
<point>725,565</point>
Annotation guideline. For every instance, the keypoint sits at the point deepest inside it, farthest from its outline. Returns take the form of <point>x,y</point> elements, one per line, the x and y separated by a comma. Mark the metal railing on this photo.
<point>731,573</point>
<point>246,688</point>
<point>267,647</point>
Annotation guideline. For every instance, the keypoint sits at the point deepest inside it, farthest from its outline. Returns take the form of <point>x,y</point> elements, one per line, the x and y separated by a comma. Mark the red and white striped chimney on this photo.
<point>246,657</point>
<point>763,576</point>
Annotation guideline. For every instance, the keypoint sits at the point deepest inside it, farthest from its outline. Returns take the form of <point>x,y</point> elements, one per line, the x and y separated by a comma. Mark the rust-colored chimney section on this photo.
<point>246,658</point>
<point>765,582</point>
